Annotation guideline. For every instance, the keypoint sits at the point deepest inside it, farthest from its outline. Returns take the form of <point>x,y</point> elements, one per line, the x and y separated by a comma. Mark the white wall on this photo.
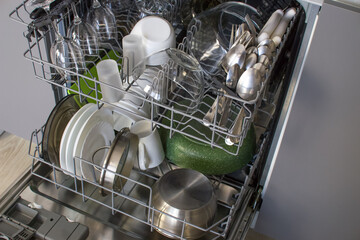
<point>25,102</point>
<point>314,192</point>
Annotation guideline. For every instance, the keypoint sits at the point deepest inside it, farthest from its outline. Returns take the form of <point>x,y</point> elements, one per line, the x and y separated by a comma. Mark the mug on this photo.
<point>150,151</point>
<point>157,34</point>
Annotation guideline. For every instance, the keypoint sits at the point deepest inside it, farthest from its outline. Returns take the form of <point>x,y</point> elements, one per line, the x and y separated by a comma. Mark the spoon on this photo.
<point>269,43</point>
<point>250,60</point>
<point>233,76</point>
<point>237,53</point>
<point>265,50</point>
<point>252,49</point>
<point>261,67</point>
<point>249,84</point>
<point>210,115</point>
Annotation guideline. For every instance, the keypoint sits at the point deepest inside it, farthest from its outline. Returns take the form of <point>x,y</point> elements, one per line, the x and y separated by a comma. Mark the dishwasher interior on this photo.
<point>51,203</point>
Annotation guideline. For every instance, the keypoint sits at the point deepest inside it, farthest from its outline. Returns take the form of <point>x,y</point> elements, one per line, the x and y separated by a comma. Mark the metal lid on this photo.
<point>119,160</point>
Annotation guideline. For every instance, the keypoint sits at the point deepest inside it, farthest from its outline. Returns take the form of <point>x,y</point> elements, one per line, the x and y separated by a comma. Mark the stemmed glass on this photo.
<point>65,53</point>
<point>83,34</point>
<point>103,20</point>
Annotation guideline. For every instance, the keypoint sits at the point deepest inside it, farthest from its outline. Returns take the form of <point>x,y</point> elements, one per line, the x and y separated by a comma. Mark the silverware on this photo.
<point>225,113</point>
<point>236,55</point>
<point>270,25</point>
<point>210,115</point>
<point>280,30</point>
<point>249,84</point>
<point>250,24</point>
<point>261,67</point>
<point>233,76</point>
<point>250,60</point>
<point>236,128</point>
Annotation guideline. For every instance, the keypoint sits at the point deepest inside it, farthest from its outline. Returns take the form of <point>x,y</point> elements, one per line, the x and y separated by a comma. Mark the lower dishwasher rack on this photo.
<point>128,214</point>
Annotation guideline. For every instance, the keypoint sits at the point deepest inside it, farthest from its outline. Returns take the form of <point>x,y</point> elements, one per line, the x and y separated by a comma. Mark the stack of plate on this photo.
<point>80,137</point>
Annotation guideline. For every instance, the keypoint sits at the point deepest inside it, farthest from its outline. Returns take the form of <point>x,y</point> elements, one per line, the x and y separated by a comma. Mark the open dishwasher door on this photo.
<point>129,213</point>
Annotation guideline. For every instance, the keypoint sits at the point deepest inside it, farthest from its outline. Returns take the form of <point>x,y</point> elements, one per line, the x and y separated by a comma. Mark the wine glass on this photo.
<point>65,53</point>
<point>103,20</point>
<point>83,34</point>
<point>126,15</point>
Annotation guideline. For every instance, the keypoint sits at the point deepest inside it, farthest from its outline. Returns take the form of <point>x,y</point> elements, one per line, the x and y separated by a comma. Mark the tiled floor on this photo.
<point>14,160</point>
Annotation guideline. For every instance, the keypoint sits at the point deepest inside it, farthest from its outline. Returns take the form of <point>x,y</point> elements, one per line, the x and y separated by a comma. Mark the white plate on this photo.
<point>73,133</point>
<point>67,133</point>
<point>87,133</point>
<point>101,134</point>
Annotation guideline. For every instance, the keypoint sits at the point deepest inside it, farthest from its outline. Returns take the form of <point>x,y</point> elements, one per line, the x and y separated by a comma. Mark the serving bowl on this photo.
<point>187,195</point>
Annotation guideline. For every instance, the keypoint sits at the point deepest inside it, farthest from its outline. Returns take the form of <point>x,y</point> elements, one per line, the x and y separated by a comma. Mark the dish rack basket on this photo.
<point>238,194</point>
<point>87,84</point>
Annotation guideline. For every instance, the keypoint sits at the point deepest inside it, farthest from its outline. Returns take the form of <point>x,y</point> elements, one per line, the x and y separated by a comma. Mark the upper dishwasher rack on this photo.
<point>164,114</point>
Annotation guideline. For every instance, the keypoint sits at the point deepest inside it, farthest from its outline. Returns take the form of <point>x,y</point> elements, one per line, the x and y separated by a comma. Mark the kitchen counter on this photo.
<point>14,159</point>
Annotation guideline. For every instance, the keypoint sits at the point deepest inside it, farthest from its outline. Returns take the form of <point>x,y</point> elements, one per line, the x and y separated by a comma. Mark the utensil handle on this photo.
<point>270,25</point>
<point>210,115</point>
<point>281,28</point>
<point>236,128</point>
<point>226,111</point>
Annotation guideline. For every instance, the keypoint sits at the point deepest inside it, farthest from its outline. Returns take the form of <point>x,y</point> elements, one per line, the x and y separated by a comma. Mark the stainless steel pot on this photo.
<point>183,195</point>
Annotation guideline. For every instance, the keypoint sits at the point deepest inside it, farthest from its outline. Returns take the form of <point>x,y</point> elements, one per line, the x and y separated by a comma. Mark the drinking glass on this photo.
<point>103,20</point>
<point>83,34</point>
<point>65,53</point>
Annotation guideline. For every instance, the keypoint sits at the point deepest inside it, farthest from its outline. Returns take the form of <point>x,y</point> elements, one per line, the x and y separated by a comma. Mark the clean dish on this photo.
<point>119,159</point>
<point>150,152</point>
<point>187,195</point>
<point>157,34</point>
<point>69,135</point>
<point>108,73</point>
<point>100,135</point>
<point>209,33</point>
<point>55,126</point>
<point>128,109</point>
<point>181,77</point>
<point>88,134</point>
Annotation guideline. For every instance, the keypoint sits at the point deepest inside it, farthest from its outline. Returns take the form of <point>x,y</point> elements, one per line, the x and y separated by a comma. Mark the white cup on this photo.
<point>150,151</point>
<point>157,34</point>
<point>108,72</point>
<point>133,52</point>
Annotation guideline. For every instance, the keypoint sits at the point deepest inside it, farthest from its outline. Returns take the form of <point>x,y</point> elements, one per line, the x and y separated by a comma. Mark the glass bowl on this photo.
<point>171,76</point>
<point>209,33</point>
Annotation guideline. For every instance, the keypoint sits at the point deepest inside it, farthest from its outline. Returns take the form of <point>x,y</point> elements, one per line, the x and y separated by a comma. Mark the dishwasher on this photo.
<point>50,203</point>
